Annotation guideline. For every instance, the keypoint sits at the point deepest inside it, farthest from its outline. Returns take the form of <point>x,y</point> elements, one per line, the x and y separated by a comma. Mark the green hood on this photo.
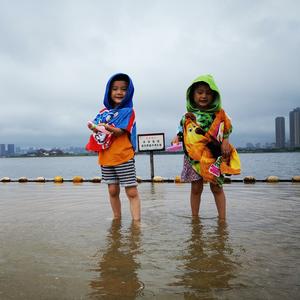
<point>216,104</point>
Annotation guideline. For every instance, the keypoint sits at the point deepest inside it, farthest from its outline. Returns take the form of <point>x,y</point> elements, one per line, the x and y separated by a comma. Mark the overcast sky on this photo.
<point>56,57</point>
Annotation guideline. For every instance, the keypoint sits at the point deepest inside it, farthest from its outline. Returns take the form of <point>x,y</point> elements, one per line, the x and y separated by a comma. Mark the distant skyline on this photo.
<point>56,57</point>
<point>280,140</point>
<point>294,122</point>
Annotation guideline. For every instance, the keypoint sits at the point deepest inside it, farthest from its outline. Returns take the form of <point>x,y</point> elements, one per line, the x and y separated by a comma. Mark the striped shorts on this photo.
<point>123,174</point>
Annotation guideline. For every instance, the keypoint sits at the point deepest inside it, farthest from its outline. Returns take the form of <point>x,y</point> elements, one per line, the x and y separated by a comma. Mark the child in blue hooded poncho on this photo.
<point>114,138</point>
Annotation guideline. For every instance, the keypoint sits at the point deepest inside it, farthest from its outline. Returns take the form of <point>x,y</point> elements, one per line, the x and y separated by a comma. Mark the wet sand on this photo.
<point>58,241</point>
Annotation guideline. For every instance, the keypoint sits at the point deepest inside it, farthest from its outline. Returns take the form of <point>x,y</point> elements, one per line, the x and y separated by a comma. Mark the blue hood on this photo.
<point>127,101</point>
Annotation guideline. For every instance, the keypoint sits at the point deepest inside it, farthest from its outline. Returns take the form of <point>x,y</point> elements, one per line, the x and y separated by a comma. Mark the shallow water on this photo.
<point>58,241</point>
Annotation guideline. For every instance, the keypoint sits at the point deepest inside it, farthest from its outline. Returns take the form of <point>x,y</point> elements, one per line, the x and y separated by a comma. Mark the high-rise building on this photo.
<point>280,132</point>
<point>2,149</point>
<point>295,128</point>
<point>10,149</point>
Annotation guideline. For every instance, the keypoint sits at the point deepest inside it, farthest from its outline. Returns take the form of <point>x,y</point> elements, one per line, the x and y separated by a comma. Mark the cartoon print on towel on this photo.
<point>104,137</point>
<point>204,148</point>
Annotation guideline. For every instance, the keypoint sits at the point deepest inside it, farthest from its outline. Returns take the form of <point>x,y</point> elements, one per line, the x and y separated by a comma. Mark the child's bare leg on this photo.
<point>195,198</point>
<point>220,200</point>
<point>114,197</point>
<point>135,203</point>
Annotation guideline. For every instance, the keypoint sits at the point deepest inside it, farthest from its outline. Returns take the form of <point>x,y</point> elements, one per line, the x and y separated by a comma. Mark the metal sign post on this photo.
<point>151,142</point>
<point>151,164</point>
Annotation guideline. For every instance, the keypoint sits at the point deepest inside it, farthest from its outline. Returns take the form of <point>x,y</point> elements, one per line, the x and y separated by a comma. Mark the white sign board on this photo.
<point>151,142</point>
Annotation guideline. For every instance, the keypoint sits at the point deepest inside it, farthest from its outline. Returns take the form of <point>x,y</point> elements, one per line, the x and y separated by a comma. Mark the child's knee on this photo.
<point>216,189</point>
<point>131,192</point>
<point>197,187</point>
<point>114,190</point>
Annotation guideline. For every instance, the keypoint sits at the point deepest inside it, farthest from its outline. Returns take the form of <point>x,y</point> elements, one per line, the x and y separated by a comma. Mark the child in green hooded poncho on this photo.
<point>204,131</point>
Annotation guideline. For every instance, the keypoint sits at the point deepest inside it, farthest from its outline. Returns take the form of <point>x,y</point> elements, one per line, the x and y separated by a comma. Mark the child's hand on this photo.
<point>175,140</point>
<point>103,128</point>
<point>91,125</point>
<point>100,127</point>
<point>95,127</point>
<point>225,148</point>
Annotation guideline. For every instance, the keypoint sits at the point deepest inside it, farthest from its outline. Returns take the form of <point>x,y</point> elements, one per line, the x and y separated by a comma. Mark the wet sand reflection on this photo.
<point>118,269</point>
<point>207,265</point>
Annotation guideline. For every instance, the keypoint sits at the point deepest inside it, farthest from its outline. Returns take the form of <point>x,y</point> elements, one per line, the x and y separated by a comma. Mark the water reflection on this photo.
<point>208,264</point>
<point>118,268</point>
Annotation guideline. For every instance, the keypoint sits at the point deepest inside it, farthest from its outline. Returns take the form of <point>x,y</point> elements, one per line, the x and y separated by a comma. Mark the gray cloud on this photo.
<point>56,57</point>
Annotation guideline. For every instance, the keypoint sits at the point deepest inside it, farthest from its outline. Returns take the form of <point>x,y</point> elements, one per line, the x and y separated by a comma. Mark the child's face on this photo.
<point>203,96</point>
<point>118,91</point>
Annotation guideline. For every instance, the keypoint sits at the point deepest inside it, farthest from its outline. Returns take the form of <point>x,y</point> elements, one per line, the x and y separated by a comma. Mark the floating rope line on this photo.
<point>156,179</point>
